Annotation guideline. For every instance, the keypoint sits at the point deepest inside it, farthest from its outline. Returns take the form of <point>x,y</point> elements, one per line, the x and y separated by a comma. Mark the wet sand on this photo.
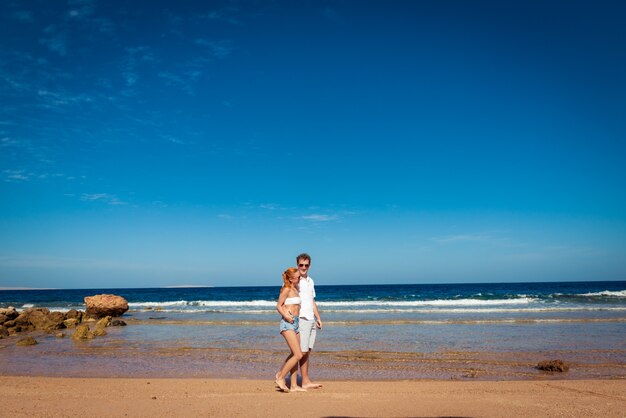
<point>73,397</point>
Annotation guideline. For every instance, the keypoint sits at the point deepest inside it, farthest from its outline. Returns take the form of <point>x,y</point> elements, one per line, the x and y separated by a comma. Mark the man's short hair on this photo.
<point>303,256</point>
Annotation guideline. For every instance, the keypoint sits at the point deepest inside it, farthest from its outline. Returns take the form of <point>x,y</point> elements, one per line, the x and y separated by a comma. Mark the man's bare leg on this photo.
<point>304,371</point>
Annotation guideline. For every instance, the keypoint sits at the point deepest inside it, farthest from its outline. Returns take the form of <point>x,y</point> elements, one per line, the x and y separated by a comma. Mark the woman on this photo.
<point>288,307</point>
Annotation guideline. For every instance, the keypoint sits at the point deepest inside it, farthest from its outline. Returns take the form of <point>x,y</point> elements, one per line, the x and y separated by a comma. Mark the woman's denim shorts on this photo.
<point>284,325</point>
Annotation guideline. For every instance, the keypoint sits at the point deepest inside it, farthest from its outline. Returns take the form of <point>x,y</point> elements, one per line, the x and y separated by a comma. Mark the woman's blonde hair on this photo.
<point>289,272</point>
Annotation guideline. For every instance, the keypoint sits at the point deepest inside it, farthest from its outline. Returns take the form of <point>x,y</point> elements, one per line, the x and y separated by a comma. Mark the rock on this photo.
<point>118,323</point>
<point>553,366</point>
<point>14,329</point>
<point>71,322</point>
<point>22,319</point>
<point>3,332</point>
<point>9,312</point>
<point>56,317</point>
<point>3,319</point>
<point>104,322</point>
<point>38,319</point>
<point>74,314</point>
<point>60,335</point>
<point>82,333</point>
<point>26,341</point>
<point>9,324</point>
<point>99,332</point>
<point>46,320</point>
<point>37,314</point>
<point>99,306</point>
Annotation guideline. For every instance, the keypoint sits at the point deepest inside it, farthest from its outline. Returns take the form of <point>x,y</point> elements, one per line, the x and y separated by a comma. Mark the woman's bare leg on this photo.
<point>292,361</point>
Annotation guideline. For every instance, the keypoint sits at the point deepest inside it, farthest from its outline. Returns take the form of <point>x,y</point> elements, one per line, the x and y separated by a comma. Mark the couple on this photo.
<point>298,325</point>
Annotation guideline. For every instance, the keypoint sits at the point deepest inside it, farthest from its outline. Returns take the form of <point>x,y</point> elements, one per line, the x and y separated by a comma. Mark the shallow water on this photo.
<point>376,351</point>
<point>478,331</point>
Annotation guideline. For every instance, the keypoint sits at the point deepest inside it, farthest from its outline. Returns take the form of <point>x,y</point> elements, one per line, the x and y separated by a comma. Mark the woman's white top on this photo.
<point>293,301</point>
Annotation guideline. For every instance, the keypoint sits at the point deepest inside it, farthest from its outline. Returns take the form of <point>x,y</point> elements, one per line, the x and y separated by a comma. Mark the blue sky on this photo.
<point>152,143</point>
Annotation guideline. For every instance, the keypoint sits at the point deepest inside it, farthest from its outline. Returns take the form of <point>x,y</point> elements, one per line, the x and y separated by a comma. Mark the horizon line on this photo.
<point>317,284</point>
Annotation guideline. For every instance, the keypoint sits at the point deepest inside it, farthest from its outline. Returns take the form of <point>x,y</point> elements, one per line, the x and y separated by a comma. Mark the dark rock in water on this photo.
<point>553,366</point>
<point>38,319</point>
<point>22,319</point>
<point>157,317</point>
<point>74,314</point>
<point>26,341</point>
<point>57,318</point>
<point>10,312</point>
<point>14,329</point>
<point>101,325</point>
<point>104,322</point>
<point>33,318</point>
<point>46,320</point>
<point>99,332</point>
<point>71,322</point>
<point>82,332</point>
<point>118,323</point>
<point>99,306</point>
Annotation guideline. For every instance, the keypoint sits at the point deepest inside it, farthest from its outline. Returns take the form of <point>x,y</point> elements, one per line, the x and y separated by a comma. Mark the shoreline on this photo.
<point>55,396</point>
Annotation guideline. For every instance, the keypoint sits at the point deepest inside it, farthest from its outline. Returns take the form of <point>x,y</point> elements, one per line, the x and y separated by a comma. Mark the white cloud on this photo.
<point>55,40</point>
<point>316,217</point>
<point>219,49</point>
<point>24,16</point>
<point>6,142</point>
<point>81,9</point>
<point>269,206</point>
<point>53,262</point>
<point>16,176</point>
<point>222,16</point>
<point>102,197</point>
<point>461,238</point>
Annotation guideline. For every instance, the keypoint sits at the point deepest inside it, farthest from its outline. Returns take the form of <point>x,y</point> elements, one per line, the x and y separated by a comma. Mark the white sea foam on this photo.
<point>362,303</point>
<point>28,305</point>
<point>412,310</point>
<point>436,302</point>
<point>151,304</point>
<point>207,303</point>
<point>617,293</point>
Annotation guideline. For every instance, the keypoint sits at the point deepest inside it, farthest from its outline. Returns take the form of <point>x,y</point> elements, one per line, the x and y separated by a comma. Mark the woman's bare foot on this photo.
<point>312,385</point>
<point>282,385</point>
<point>298,389</point>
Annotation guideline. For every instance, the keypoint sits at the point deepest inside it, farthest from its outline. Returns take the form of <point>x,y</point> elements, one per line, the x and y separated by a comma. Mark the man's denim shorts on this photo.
<point>284,325</point>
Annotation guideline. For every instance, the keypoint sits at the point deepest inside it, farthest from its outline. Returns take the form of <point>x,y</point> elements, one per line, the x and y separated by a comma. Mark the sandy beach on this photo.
<point>70,397</point>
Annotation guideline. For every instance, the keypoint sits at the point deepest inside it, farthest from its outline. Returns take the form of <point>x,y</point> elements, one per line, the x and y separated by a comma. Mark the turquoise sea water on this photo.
<point>488,331</point>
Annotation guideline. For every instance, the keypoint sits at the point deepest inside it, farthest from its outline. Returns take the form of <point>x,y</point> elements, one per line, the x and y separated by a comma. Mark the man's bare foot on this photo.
<point>312,385</point>
<point>298,389</point>
<point>282,385</point>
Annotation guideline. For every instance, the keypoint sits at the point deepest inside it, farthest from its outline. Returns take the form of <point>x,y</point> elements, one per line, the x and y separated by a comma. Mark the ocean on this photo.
<point>440,331</point>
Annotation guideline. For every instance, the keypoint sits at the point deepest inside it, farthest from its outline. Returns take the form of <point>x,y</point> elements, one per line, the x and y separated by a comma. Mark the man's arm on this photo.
<point>318,320</point>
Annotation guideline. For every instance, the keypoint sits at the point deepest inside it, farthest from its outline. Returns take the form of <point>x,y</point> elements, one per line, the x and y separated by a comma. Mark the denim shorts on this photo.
<point>284,325</point>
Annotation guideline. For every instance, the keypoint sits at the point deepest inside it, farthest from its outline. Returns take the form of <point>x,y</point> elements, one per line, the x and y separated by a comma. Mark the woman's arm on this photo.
<point>280,305</point>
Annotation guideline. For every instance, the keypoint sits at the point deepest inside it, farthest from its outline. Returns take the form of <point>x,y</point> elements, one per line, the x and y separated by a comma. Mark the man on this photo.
<point>309,318</point>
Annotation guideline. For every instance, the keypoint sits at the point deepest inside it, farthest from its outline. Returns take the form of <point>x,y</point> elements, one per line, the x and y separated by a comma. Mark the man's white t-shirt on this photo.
<point>307,294</point>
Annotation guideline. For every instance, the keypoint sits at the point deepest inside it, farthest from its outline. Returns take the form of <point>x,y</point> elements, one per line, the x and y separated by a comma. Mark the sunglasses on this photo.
<point>303,265</point>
